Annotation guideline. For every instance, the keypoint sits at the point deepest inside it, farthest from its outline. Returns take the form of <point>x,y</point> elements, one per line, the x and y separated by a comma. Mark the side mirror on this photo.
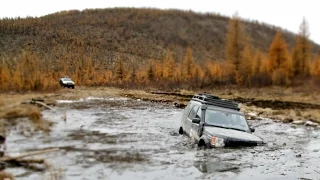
<point>252,129</point>
<point>196,120</point>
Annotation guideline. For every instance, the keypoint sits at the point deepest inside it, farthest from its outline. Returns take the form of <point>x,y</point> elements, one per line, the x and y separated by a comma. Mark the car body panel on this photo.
<point>230,133</point>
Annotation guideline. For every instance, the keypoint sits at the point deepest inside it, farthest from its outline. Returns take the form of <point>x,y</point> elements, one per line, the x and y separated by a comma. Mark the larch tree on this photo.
<point>188,65</point>
<point>120,70</point>
<point>278,60</point>
<point>315,68</point>
<point>302,51</point>
<point>151,71</point>
<point>158,70</point>
<point>235,42</point>
<point>256,64</point>
<point>278,53</point>
<point>4,76</point>
<point>169,67</point>
<point>245,67</point>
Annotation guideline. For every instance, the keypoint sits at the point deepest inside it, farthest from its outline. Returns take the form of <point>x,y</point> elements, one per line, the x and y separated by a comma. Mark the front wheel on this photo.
<point>180,130</point>
<point>202,143</point>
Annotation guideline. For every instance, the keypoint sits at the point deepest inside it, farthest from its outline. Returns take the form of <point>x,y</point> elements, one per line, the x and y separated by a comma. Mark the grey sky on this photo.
<point>286,14</point>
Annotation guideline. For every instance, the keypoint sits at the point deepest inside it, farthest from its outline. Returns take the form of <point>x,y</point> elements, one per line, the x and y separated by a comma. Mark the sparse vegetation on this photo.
<point>141,48</point>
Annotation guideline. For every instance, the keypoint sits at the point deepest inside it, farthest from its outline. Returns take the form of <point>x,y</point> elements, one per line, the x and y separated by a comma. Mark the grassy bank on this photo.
<point>11,106</point>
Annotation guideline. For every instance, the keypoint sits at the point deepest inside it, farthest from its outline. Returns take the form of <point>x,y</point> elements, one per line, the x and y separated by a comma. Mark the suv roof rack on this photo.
<point>215,101</point>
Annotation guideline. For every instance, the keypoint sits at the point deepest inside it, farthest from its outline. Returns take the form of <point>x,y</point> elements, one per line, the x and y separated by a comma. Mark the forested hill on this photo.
<point>135,35</point>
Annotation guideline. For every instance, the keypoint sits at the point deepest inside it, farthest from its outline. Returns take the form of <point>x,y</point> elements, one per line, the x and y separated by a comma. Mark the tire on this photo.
<point>202,143</point>
<point>180,130</point>
<point>72,87</point>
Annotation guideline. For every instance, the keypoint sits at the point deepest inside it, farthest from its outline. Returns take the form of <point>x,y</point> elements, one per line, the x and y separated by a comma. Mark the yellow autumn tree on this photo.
<point>188,65</point>
<point>315,68</point>
<point>278,53</point>
<point>302,51</point>
<point>169,68</point>
<point>89,71</point>
<point>243,75</point>
<point>256,63</point>
<point>27,72</point>
<point>197,76</point>
<point>216,73</point>
<point>4,76</point>
<point>158,70</point>
<point>120,71</point>
<point>278,60</point>
<point>150,71</point>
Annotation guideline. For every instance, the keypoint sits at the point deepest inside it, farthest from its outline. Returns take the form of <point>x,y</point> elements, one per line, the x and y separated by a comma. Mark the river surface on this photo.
<point>121,138</point>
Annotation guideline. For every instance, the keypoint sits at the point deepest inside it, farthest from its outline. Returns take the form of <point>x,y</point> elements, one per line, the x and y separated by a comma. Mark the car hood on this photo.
<point>230,133</point>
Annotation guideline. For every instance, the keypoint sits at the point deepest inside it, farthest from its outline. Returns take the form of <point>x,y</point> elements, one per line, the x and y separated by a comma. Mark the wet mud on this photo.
<point>124,138</point>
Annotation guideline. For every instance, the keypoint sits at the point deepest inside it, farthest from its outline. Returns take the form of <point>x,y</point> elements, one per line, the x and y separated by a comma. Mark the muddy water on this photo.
<point>119,138</point>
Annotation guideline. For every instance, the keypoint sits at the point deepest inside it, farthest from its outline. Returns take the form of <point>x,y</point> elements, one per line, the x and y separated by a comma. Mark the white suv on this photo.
<point>66,82</point>
<point>214,122</point>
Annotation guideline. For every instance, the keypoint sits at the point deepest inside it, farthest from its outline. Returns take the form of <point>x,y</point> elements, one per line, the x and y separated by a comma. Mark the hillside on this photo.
<point>135,35</point>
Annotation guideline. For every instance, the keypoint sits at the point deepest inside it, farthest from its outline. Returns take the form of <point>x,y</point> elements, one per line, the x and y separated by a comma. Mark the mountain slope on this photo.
<point>136,35</point>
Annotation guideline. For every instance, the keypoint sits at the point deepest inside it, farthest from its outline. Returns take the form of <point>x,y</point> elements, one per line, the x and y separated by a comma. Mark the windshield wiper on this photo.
<point>226,127</point>
<point>236,129</point>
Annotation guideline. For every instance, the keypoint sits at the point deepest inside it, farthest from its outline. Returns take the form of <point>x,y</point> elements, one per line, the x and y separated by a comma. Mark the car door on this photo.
<point>184,118</point>
<point>192,115</point>
<point>195,126</point>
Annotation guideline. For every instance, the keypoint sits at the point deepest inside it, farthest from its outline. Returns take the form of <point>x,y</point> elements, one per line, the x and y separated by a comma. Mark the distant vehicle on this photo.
<point>66,82</point>
<point>214,122</point>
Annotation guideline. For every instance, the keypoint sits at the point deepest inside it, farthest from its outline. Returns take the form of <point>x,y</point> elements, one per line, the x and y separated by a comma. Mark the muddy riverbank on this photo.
<point>119,134</point>
<point>117,137</point>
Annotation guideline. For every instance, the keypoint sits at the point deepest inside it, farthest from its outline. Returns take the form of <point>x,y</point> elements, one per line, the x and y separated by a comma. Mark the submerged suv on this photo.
<point>215,122</point>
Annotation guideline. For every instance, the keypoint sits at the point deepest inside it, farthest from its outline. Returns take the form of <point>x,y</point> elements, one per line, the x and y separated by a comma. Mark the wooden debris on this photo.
<point>33,153</point>
<point>38,102</point>
<point>41,104</point>
<point>18,161</point>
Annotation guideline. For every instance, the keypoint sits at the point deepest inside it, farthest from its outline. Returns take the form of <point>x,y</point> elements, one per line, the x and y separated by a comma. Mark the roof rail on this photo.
<point>215,101</point>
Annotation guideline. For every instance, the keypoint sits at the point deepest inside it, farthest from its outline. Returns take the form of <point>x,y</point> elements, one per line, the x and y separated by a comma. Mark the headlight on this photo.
<point>217,142</point>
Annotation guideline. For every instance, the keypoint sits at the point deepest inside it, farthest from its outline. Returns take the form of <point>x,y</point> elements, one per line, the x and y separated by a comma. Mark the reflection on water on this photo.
<point>216,166</point>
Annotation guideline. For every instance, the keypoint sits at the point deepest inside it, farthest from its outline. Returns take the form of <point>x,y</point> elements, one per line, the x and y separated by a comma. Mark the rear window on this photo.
<point>66,79</point>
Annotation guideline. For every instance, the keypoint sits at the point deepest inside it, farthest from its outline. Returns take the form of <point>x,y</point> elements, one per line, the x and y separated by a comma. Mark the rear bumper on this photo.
<point>68,85</point>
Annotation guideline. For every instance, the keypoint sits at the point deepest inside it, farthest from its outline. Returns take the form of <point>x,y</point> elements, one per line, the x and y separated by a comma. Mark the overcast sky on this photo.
<point>284,13</point>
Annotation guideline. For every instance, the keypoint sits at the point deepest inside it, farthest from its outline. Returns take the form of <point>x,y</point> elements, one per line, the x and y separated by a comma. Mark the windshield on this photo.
<point>66,79</point>
<point>226,120</point>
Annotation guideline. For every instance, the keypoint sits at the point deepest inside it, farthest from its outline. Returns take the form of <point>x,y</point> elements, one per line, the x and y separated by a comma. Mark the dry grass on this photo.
<point>10,105</point>
<point>6,176</point>
<point>11,108</point>
<point>307,94</point>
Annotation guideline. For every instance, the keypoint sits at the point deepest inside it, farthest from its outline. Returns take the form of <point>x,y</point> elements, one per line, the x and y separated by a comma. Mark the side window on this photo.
<point>187,110</point>
<point>198,113</point>
<point>193,112</point>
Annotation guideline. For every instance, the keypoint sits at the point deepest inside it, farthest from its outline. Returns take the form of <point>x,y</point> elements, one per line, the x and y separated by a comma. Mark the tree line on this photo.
<point>244,66</point>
